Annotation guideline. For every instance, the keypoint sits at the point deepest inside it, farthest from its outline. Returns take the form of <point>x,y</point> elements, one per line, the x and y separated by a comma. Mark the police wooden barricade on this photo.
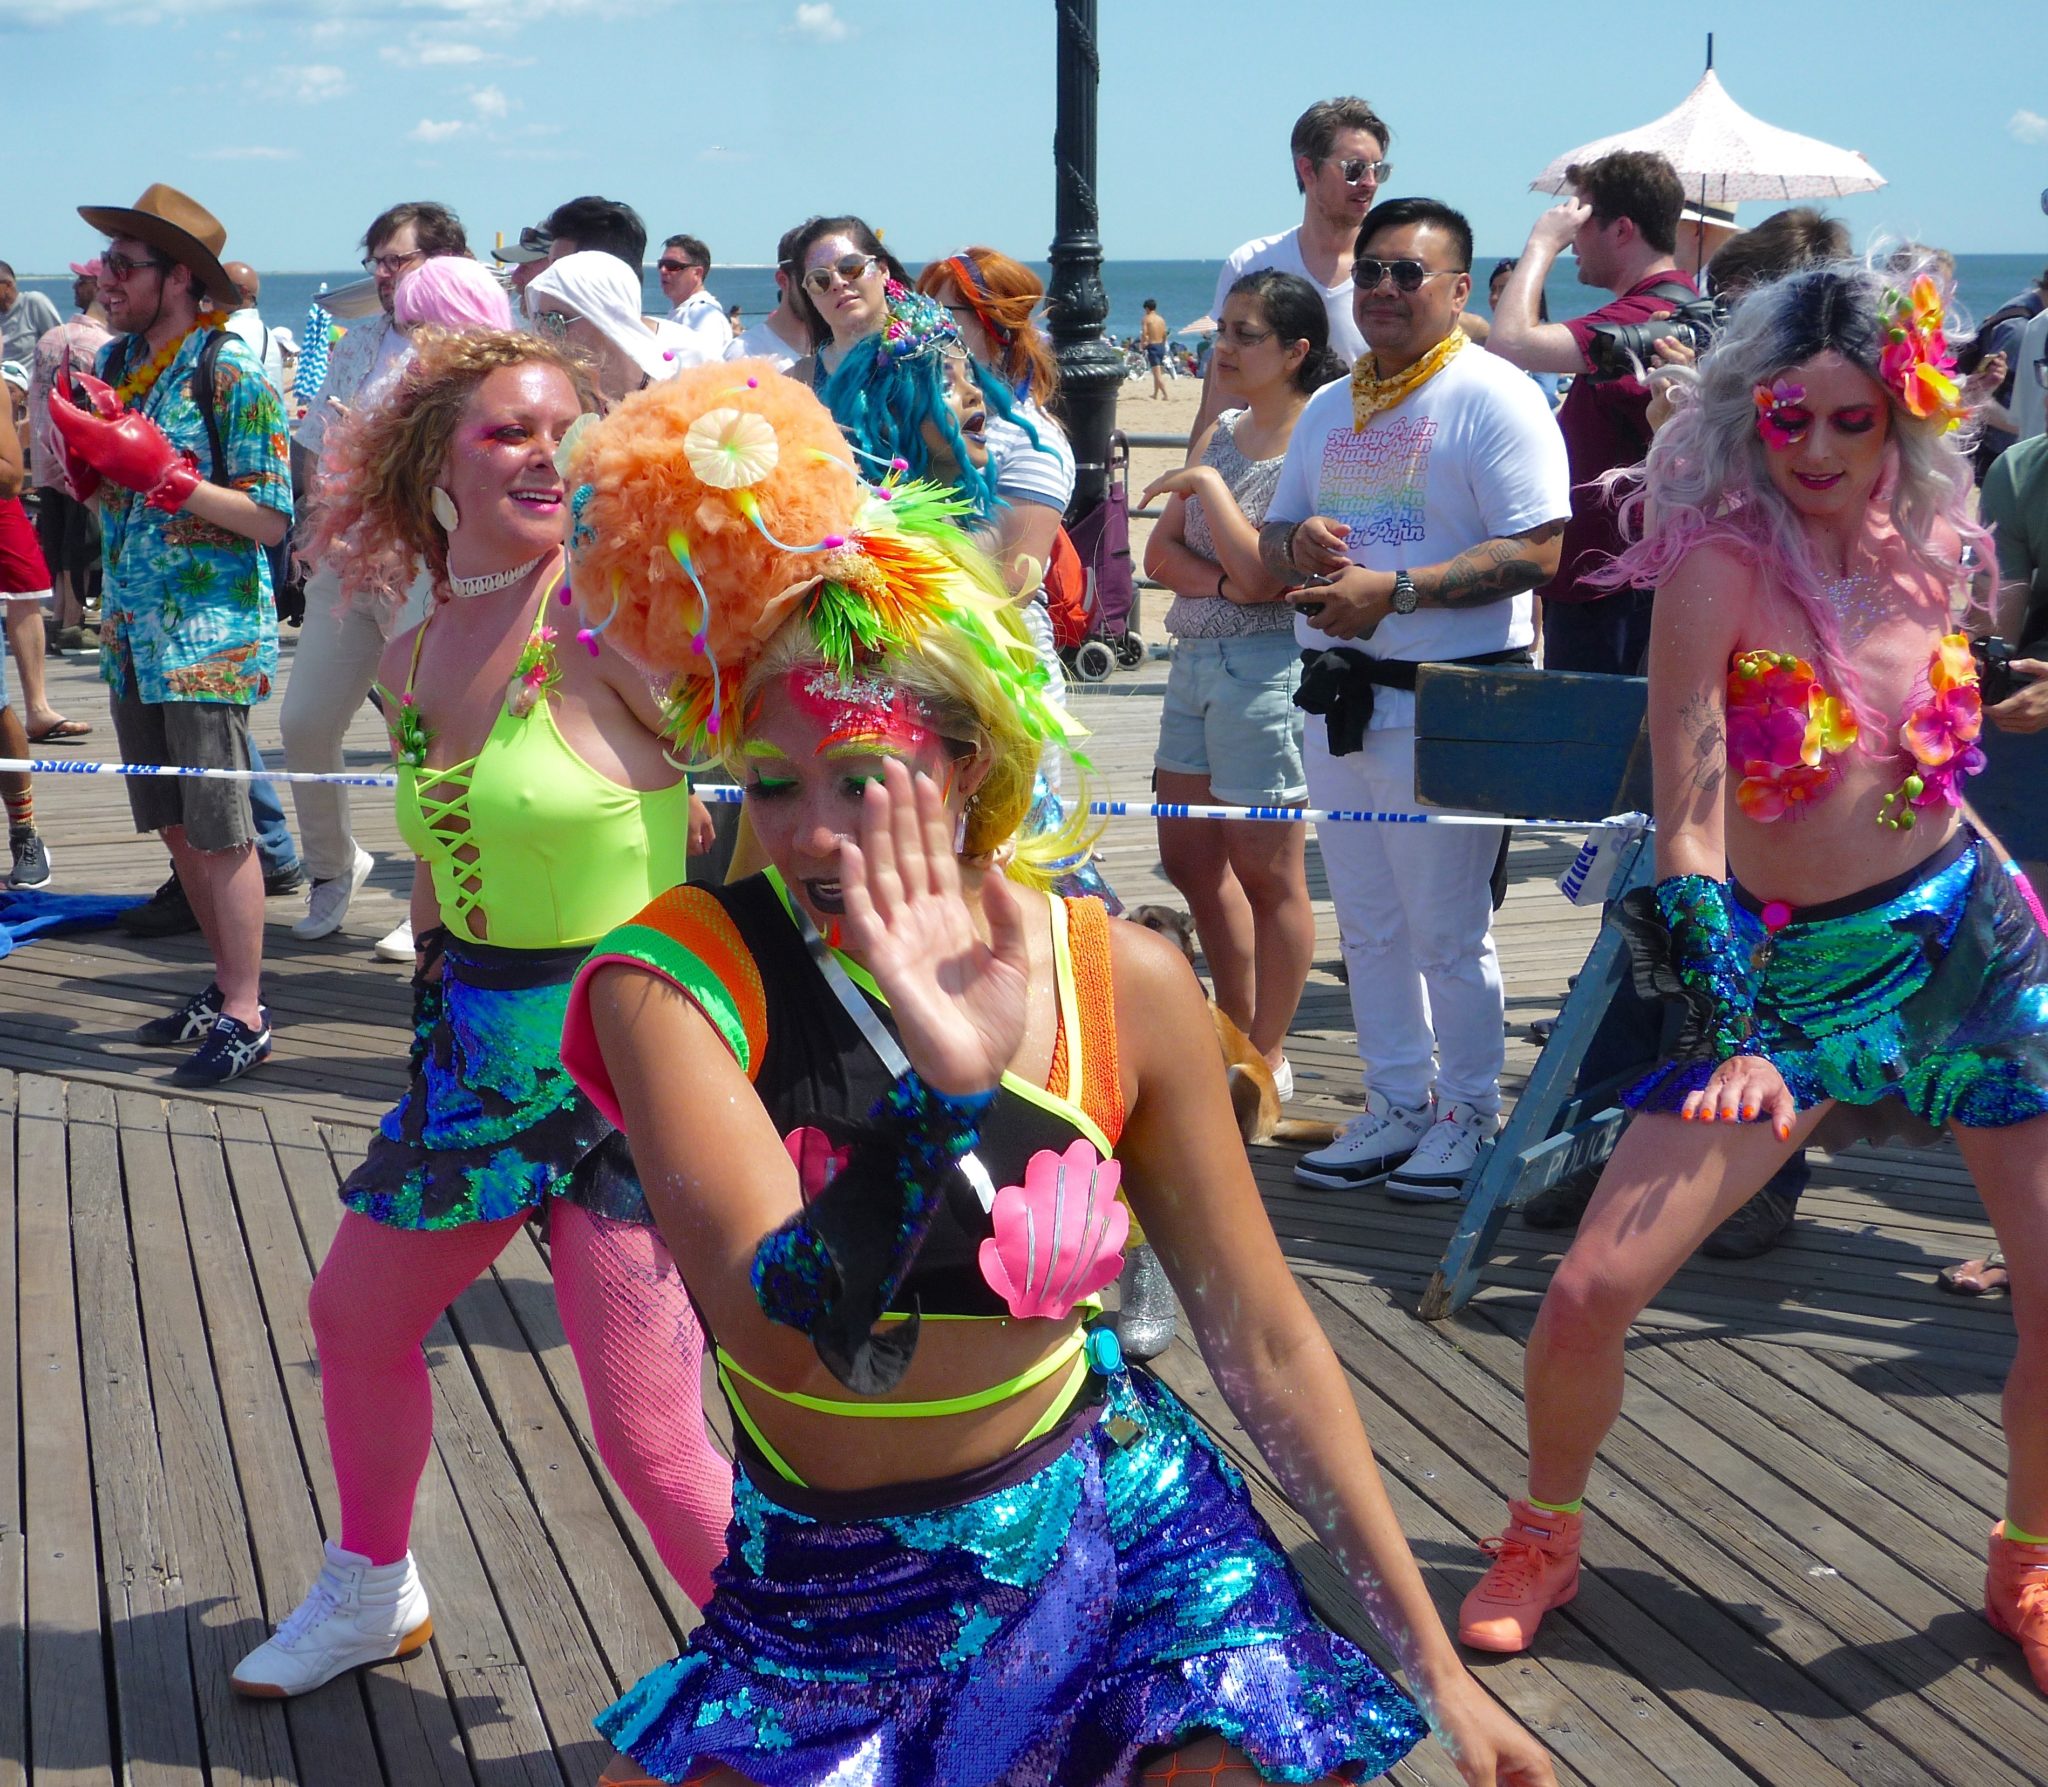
<point>1547,745</point>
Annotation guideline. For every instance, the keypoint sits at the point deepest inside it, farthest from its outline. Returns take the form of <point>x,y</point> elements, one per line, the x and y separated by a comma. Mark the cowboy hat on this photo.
<point>175,225</point>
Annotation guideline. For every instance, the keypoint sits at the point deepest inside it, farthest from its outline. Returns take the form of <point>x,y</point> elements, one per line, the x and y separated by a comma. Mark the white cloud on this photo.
<point>252,152</point>
<point>432,130</point>
<point>490,102</point>
<point>2029,127</point>
<point>435,52</point>
<point>821,23</point>
<point>311,82</point>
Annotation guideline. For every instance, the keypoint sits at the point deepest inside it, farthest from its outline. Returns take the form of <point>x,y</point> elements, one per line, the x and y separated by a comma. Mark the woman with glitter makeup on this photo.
<point>970,1546</point>
<point>543,808</point>
<point>1854,957</point>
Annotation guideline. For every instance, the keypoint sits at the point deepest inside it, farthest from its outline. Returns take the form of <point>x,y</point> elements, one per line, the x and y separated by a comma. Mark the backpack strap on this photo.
<point>205,393</point>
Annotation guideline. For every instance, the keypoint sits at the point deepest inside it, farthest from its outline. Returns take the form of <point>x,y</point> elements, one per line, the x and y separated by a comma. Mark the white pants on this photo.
<point>1415,912</point>
<point>332,671</point>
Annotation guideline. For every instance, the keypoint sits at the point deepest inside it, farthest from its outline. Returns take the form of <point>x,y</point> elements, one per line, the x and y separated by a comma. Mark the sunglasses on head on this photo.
<point>1407,276</point>
<point>846,269</point>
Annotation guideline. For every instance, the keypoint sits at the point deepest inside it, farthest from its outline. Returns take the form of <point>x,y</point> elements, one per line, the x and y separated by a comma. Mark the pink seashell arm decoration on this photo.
<point>1059,1237</point>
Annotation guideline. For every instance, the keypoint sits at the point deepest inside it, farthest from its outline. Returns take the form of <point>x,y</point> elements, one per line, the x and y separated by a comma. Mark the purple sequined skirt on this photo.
<point>1117,1600</point>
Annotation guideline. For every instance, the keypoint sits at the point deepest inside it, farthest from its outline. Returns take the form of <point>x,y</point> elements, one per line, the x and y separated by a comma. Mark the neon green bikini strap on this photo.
<point>1071,1350</point>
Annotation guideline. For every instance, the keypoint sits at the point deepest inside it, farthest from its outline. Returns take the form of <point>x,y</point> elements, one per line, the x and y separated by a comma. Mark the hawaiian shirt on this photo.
<point>189,612</point>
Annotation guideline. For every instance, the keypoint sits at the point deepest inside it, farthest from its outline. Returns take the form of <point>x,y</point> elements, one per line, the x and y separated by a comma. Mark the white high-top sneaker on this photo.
<point>357,1613</point>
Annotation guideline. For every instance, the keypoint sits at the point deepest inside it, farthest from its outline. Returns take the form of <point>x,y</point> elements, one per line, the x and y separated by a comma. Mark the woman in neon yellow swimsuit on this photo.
<point>970,1545</point>
<point>543,810</point>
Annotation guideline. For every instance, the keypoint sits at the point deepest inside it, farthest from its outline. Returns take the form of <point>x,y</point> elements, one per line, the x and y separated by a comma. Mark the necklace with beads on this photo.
<point>139,383</point>
<point>464,587</point>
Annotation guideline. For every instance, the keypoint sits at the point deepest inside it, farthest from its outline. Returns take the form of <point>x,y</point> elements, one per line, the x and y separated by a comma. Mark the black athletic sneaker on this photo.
<point>31,857</point>
<point>188,1024</point>
<point>166,913</point>
<point>280,882</point>
<point>231,1048</point>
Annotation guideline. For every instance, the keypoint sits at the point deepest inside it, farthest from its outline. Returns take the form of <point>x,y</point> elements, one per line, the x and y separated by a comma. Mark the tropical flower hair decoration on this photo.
<point>710,509</point>
<point>1916,362</point>
<point>1782,418</point>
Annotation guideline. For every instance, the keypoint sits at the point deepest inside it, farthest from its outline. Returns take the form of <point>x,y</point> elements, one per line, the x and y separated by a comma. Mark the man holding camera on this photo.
<point>1621,227</point>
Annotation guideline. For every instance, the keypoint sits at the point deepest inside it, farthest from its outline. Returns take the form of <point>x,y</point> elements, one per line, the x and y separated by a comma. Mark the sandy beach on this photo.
<point>1138,412</point>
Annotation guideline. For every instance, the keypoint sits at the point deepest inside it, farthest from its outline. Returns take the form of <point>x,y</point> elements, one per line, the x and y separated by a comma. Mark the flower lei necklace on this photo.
<point>140,382</point>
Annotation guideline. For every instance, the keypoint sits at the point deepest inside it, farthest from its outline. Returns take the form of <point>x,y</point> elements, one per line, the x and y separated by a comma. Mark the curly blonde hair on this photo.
<point>372,518</point>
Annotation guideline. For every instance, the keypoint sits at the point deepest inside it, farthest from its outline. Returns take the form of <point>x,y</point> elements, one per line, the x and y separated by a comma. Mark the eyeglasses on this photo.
<point>1357,171</point>
<point>120,266</point>
<point>1406,275</point>
<point>1242,334</point>
<point>392,263</point>
<point>677,266</point>
<point>846,269</point>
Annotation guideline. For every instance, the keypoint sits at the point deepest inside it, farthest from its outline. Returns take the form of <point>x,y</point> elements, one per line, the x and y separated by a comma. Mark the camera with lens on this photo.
<point>1995,678</point>
<point>1624,350</point>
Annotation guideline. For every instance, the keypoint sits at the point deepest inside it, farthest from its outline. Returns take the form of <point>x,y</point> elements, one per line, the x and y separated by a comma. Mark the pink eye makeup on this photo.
<point>1859,420</point>
<point>1782,419</point>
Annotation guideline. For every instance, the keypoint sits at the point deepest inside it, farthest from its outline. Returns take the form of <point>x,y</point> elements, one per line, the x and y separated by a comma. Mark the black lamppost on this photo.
<point>1091,371</point>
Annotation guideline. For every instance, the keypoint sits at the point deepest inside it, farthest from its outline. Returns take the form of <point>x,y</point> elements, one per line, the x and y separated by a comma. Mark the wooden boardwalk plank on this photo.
<point>13,1543</point>
<point>70,1723</point>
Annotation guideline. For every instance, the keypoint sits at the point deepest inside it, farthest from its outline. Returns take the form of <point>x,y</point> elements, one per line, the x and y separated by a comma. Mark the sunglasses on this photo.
<point>846,269</point>
<point>1357,171</point>
<point>120,266</point>
<point>676,266</point>
<point>554,324</point>
<point>1406,275</point>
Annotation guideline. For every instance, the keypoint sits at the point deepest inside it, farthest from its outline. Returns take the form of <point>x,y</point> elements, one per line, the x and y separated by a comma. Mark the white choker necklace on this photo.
<point>491,580</point>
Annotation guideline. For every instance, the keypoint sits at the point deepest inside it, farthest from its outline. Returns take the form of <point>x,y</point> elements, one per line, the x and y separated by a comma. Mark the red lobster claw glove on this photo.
<point>130,449</point>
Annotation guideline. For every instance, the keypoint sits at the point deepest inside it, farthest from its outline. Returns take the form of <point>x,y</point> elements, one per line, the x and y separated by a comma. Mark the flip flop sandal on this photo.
<point>1973,1278</point>
<point>63,732</point>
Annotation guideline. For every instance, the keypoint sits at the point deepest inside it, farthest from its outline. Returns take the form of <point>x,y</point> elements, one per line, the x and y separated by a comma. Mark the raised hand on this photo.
<point>959,1003</point>
<point>121,445</point>
<point>1744,1089</point>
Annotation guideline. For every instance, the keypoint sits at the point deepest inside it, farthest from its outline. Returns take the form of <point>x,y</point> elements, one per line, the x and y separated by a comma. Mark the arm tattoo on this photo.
<point>1274,539</point>
<point>1490,572</point>
<point>1700,719</point>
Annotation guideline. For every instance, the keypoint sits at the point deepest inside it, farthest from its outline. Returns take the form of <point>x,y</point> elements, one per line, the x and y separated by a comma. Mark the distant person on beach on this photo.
<point>1420,502</point>
<point>194,484</point>
<point>779,336</point>
<point>1620,224</point>
<point>1339,149</point>
<point>339,646</point>
<point>25,317</point>
<point>684,265</point>
<point>21,562</point>
<point>1152,333</point>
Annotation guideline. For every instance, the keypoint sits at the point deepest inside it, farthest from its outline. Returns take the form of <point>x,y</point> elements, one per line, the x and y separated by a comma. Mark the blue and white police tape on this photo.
<point>725,793</point>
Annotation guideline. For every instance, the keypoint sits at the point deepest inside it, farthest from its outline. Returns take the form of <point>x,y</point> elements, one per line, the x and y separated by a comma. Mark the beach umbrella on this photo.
<point>1724,155</point>
<point>1202,325</point>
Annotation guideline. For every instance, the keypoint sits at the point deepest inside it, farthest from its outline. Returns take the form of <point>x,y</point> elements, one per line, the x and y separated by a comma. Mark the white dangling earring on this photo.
<point>443,506</point>
<point>960,834</point>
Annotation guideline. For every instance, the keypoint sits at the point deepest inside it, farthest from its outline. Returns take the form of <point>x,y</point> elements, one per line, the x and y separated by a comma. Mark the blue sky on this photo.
<point>734,118</point>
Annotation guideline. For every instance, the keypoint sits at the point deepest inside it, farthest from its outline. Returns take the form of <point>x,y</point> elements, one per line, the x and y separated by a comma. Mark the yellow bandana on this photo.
<point>1370,393</point>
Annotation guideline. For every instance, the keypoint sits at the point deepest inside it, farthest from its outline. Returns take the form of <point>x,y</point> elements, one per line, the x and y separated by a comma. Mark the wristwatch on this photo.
<point>1406,598</point>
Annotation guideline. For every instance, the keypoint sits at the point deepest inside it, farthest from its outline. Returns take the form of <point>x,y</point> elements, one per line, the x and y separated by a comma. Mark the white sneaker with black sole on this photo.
<point>1372,1144</point>
<point>1443,1160</point>
<point>327,901</point>
<point>357,1613</point>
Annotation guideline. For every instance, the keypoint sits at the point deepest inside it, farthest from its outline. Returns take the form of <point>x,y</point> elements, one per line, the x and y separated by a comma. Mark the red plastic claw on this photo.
<point>123,446</point>
<point>99,396</point>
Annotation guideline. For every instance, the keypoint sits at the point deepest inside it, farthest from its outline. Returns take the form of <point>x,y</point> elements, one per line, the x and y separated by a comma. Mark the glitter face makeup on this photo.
<point>860,714</point>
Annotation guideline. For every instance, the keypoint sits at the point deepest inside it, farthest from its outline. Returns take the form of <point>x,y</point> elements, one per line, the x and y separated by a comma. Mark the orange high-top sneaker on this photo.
<point>1535,1568</point>
<point>2016,1598</point>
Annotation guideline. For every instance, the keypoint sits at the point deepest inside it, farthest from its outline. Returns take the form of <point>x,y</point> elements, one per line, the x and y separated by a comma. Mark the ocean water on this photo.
<point>1184,289</point>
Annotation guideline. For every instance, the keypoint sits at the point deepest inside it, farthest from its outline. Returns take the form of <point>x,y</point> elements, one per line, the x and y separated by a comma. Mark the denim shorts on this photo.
<point>1230,715</point>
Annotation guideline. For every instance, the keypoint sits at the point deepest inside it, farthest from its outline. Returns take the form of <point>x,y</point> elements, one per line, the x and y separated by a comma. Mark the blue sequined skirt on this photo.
<point>1117,1600</point>
<point>1924,1001</point>
<point>491,1123</point>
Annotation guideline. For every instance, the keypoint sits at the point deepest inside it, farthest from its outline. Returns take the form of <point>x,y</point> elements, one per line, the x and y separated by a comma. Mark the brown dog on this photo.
<point>1253,1096</point>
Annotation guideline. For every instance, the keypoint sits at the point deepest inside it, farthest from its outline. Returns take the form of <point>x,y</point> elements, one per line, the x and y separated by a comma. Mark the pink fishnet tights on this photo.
<point>630,1326</point>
